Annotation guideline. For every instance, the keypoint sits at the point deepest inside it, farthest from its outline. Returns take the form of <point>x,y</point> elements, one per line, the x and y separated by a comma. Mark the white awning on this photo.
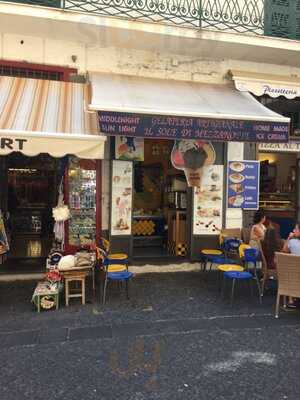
<point>272,85</point>
<point>132,94</point>
<point>39,116</point>
<point>121,98</point>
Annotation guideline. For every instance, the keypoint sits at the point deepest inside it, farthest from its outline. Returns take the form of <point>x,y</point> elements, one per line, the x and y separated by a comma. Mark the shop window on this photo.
<point>282,18</point>
<point>35,71</point>
<point>286,107</point>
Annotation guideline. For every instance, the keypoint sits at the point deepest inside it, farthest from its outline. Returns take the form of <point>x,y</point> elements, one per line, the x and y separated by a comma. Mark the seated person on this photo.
<point>292,244</point>
<point>271,243</point>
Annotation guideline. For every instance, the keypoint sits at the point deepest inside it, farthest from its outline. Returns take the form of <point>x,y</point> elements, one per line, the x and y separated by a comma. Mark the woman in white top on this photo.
<point>258,229</point>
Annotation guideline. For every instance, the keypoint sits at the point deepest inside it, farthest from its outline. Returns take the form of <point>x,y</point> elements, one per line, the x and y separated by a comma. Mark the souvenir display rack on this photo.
<point>81,194</point>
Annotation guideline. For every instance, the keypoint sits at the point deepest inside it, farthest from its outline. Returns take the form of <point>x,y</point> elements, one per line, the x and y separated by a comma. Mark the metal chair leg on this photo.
<point>277,306</point>
<point>284,301</point>
<point>263,286</point>
<point>250,287</point>
<point>219,281</point>
<point>127,289</point>
<point>104,291</point>
<point>223,287</point>
<point>232,291</point>
<point>259,289</point>
<point>94,279</point>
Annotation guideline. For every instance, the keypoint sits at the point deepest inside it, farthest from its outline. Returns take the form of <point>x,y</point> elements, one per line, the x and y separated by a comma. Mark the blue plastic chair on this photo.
<point>121,275</point>
<point>231,246</point>
<point>251,258</point>
<point>235,276</point>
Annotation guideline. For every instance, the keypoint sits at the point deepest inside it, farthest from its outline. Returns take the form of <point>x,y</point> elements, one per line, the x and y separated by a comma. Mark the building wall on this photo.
<point>93,57</point>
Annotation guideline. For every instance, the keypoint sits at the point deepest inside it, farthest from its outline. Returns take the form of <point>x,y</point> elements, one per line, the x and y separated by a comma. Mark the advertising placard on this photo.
<point>211,129</point>
<point>129,148</point>
<point>208,202</point>
<point>243,185</point>
<point>121,197</point>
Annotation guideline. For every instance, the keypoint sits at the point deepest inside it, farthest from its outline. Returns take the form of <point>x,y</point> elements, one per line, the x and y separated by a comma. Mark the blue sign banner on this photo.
<point>172,127</point>
<point>243,184</point>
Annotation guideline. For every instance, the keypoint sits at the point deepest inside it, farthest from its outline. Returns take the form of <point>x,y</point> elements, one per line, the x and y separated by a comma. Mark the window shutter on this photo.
<point>282,18</point>
<point>46,3</point>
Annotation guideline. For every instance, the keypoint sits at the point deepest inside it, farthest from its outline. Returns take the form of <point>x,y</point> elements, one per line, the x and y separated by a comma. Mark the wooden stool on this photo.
<point>75,276</point>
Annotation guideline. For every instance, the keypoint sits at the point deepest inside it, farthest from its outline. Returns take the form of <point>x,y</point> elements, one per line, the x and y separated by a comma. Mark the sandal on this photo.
<point>291,305</point>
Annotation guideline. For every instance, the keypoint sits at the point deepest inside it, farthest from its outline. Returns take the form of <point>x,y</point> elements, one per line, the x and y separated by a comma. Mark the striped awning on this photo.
<point>40,116</point>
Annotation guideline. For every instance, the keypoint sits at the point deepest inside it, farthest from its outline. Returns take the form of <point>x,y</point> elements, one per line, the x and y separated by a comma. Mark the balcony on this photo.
<point>278,18</point>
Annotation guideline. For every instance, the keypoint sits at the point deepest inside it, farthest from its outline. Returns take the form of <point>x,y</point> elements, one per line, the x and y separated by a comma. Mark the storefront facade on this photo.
<point>49,145</point>
<point>279,178</point>
<point>222,119</point>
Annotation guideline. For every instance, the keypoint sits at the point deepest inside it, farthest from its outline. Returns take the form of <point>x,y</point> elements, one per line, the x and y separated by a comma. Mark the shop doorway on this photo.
<point>160,227</point>
<point>278,188</point>
<point>30,192</point>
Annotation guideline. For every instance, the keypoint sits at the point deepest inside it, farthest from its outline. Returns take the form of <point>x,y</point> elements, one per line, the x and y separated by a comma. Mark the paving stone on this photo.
<point>53,335</point>
<point>18,338</point>
<point>90,332</point>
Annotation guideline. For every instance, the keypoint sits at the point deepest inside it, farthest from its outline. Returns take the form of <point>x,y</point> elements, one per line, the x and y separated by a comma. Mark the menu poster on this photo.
<point>129,148</point>
<point>208,202</point>
<point>243,185</point>
<point>121,198</point>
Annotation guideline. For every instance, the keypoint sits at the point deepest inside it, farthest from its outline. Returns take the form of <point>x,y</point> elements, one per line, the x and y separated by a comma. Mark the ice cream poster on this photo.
<point>208,202</point>
<point>121,198</point>
<point>192,156</point>
<point>129,148</point>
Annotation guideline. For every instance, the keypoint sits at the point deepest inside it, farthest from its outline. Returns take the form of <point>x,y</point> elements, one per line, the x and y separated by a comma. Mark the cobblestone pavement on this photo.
<point>176,338</point>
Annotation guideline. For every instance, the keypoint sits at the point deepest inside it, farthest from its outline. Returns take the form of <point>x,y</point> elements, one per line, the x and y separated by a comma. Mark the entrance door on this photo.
<point>3,185</point>
<point>31,185</point>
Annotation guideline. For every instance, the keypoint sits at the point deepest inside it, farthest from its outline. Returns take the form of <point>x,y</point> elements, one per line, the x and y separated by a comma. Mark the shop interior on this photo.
<point>159,204</point>
<point>29,193</point>
<point>278,177</point>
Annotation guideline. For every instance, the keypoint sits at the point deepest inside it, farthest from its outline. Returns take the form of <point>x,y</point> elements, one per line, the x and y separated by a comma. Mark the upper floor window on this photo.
<point>35,71</point>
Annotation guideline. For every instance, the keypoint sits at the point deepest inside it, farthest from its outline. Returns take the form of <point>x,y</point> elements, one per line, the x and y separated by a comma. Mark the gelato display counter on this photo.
<point>280,208</point>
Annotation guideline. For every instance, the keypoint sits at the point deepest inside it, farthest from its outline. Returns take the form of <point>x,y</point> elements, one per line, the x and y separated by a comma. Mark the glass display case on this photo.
<point>277,201</point>
<point>82,190</point>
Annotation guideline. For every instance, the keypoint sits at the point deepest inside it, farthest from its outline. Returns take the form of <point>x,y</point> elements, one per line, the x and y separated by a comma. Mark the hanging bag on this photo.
<point>61,212</point>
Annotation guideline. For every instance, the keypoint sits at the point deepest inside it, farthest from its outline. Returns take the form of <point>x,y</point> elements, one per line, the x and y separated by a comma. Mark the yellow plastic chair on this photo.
<point>230,268</point>
<point>242,249</point>
<point>227,268</point>
<point>211,252</point>
<point>122,257</point>
<point>114,266</point>
<point>206,253</point>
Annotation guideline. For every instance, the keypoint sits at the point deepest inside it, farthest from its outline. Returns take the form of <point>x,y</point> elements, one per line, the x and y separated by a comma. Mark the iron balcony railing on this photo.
<point>269,17</point>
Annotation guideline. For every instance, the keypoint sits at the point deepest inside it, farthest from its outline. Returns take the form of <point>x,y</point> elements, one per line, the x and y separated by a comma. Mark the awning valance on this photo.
<point>272,85</point>
<point>161,108</point>
<point>40,116</point>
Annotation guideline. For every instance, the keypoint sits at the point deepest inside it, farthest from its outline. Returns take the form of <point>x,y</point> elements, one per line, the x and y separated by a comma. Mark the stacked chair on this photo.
<point>226,254</point>
<point>115,266</point>
<point>236,261</point>
<point>250,259</point>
